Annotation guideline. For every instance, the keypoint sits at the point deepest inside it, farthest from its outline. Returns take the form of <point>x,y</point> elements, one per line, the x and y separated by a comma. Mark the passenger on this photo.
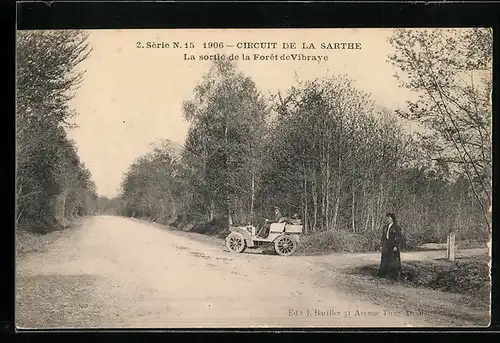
<point>296,219</point>
<point>278,218</point>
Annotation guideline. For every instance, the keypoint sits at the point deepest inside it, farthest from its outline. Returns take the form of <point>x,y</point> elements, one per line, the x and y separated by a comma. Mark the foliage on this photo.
<point>52,183</point>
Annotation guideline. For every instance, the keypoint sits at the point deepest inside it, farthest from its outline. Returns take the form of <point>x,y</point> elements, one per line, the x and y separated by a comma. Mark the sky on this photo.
<point>132,97</point>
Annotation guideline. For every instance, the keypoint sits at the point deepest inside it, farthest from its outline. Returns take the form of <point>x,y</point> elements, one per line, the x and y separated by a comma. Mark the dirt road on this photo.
<point>115,272</point>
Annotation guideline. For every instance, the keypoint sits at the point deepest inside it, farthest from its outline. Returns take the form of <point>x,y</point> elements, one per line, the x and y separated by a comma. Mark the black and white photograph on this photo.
<point>253,178</point>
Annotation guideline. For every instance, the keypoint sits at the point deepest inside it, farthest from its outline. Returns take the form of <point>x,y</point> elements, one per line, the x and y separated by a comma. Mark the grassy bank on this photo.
<point>29,242</point>
<point>468,276</point>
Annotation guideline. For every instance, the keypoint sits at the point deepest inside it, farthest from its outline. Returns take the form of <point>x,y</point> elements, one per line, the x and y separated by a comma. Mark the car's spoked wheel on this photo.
<point>235,243</point>
<point>285,245</point>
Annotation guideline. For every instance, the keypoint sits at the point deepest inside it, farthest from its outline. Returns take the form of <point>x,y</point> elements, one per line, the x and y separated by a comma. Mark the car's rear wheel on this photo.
<point>285,245</point>
<point>235,243</point>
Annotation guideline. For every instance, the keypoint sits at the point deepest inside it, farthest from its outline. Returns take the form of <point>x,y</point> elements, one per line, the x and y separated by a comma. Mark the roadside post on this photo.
<point>450,247</point>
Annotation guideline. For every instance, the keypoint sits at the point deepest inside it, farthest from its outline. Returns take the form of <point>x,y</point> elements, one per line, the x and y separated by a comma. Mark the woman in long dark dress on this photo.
<point>390,263</point>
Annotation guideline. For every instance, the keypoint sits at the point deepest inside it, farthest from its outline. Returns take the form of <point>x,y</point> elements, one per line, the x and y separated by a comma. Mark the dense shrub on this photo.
<point>216,227</point>
<point>337,241</point>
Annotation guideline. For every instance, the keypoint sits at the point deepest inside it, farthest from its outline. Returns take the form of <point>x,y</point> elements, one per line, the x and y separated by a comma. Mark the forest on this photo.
<point>325,150</point>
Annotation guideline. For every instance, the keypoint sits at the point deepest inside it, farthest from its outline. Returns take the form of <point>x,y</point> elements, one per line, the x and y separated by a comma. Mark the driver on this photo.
<point>277,218</point>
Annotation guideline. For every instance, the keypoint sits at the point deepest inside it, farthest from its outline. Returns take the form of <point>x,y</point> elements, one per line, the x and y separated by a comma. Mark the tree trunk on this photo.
<point>373,214</point>
<point>327,195</point>
<point>335,214</point>
<point>315,202</point>
<point>305,202</point>
<point>63,205</point>
<point>337,191</point>
<point>162,205</point>
<point>323,200</point>
<point>380,203</point>
<point>228,184</point>
<point>252,199</point>
<point>353,211</point>
<point>366,210</point>
<point>212,210</point>
<point>173,212</point>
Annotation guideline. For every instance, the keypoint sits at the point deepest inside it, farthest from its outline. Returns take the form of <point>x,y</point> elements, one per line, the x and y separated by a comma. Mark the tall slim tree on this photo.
<point>450,70</point>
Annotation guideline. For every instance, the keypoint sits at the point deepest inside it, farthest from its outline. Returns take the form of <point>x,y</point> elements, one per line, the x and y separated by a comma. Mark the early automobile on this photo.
<point>283,236</point>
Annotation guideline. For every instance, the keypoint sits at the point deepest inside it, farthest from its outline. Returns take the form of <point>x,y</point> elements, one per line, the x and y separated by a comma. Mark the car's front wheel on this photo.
<point>235,243</point>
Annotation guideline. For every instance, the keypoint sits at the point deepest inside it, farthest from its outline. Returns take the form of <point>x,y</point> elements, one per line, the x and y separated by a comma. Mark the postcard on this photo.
<point>253,178</point>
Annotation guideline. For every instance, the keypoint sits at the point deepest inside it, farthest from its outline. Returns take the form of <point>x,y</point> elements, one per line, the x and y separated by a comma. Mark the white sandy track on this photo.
<point>150,277</point>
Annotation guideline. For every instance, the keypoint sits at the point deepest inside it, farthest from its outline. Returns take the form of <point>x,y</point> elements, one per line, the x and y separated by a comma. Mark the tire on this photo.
<point>285,245</point>
<point>235,243</point>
